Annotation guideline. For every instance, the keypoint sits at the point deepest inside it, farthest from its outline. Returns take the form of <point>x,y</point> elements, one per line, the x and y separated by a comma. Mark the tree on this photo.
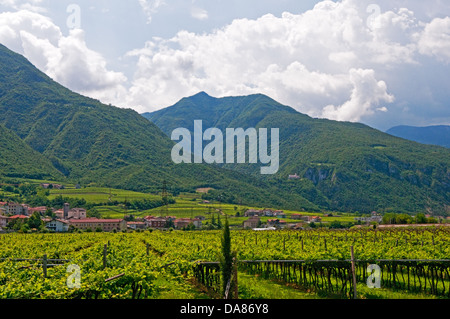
<point>24,228</point>
<point>35,221</point>
<point>93,212</point>
<point>421,218</point>
<point>49,212</point>
<point>226,260</point>
<point>219,222</point>
<point>169,223</point>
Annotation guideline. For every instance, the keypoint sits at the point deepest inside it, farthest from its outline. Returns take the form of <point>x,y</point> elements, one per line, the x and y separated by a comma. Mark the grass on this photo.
<point>256,287</point>
<point>364,292</point>
<point>100,194</point>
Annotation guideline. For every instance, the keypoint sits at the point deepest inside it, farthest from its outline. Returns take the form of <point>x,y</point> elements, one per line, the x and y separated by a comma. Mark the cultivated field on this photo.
<point>161,264</point>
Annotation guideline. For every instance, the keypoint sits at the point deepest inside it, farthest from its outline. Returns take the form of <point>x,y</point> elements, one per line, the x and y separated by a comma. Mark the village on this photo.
<point>20,217</point>
<point>68,219</point>
<point>76,219</point>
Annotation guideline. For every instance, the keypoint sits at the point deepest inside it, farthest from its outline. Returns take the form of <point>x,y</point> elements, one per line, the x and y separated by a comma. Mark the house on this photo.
<point>279,213</point>
<point>136,225</point>
<point>315,219</point>
<point>146,219</point>
<point>277,223</point>
<point>298,226</point>
<point>252,212</point>
<point>156,222</point>
<point>57,225</point>
<point>70,213</point>
<point>93,224</point>
<point>77,213</point>
<point>41,210</point>
<point>296,216</point>
<point>374,217</point>
<point>252,222</point>
<point>267,212</point>
<point>59,213</point>
<point>182,222</point>
<point>3,221</point>
<point>197,222</point>
<point>16,209</point>
<point>295,176</point>
<point>273,222</point>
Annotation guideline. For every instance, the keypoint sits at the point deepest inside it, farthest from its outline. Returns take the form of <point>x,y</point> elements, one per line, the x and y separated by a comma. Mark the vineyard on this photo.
<point>172,264</point>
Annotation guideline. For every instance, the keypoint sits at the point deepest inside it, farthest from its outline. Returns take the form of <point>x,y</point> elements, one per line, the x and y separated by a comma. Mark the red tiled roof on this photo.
<point>19,217</point>
<point>95,220</point>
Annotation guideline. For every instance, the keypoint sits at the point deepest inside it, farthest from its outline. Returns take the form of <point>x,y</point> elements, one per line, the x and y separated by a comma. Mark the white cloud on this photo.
<point>326,62</point>
<point>307,61</point>
<point>435,39</point>
<point>31,5</point>
<point>150,7</point>
<point>367,92</point>
<point>199,14</point>
<point>66,59</point>
<point>335,60</point>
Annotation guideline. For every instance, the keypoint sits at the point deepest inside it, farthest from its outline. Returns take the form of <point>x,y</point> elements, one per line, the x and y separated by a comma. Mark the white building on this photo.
<point>57,225</point>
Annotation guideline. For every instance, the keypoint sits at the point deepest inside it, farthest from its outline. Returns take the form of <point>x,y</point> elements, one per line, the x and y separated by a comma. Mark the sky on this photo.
<point>380,62</point>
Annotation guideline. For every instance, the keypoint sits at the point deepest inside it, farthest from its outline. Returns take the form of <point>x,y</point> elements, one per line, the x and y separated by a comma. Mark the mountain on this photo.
<point>433,135</point>
<point>17,159</point>
<point>90,142</point>
<point>342,166</point>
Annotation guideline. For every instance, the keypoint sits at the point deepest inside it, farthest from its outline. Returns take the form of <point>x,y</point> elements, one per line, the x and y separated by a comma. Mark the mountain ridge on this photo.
<point>90,142</point>
<point>342,165</point>
<point>433,135</point>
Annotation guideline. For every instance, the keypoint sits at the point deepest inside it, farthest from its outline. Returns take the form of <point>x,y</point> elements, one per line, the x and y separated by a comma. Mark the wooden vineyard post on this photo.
<point>235,273</point>
<point>105,250</point>
<point>353,272</point>
<point>44,266</point>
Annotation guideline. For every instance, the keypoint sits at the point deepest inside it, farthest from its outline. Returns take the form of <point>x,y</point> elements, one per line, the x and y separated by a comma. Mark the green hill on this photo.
<point>89,142</point>
<point>17,159</point>
<point>342,166</point>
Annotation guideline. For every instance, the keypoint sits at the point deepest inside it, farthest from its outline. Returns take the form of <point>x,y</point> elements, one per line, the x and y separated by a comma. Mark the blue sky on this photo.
<point>380,62</point>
